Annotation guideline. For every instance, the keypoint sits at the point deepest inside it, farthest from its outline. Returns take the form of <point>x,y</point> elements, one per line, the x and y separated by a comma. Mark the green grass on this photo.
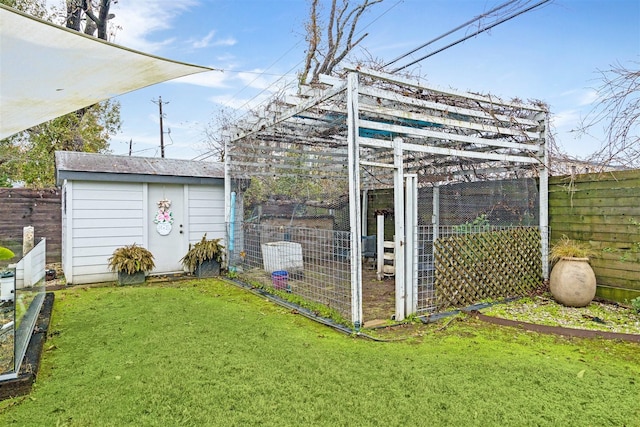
<point>207,353</point>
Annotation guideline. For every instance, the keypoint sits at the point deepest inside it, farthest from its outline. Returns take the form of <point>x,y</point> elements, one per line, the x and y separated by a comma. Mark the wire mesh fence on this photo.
<point>313,263</point>
<point>462,265</point>
<point>466,208</point>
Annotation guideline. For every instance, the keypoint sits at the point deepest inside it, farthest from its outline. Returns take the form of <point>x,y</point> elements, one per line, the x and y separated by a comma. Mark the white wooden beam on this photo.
<point>544,198</point>
<point>446,108</point>
<point>377,143</point>
<point>354,200</point>
<point>444,121</point>
<point>289,113</point>
<point>444,136</point>
<point>399,239</point>
<point>411,255</point>
<point>392,78</point>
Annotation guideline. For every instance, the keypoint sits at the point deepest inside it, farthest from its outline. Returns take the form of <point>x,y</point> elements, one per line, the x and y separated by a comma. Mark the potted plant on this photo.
<point>131,263</point>
<point>204,258</point>
<point>572,281</point>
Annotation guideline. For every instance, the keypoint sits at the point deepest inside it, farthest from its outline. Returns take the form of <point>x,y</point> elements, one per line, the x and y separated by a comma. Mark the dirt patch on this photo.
<point>378,296</point>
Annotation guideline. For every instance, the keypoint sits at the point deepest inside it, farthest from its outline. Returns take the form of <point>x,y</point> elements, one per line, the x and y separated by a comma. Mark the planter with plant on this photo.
<point>7,277</point>
<point>131,262</point>
<point>572,281</point>
<point>204,258</point>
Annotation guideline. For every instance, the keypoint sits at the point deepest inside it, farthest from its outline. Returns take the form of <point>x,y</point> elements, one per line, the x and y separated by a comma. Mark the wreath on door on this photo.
<point>163,217</point>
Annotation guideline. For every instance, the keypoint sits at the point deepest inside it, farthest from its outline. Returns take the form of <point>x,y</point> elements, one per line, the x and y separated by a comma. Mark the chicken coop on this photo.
<point>380,197</point>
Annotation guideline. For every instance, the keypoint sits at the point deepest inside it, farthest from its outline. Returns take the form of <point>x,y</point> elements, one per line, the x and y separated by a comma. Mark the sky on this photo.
<point>554,53</point>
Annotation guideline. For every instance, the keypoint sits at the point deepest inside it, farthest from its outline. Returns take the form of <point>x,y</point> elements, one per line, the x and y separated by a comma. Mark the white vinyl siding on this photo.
<point>106,216</point>
<point>206,212</point>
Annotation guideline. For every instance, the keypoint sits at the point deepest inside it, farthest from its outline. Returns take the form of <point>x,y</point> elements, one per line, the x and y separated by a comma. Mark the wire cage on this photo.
<point>358,188</point>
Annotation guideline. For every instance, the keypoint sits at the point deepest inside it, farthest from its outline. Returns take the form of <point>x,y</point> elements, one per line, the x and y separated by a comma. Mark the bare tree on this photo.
<point>617,110</point>
<point>323,54</point>
<point>84,10</point>
<point>216,132</point>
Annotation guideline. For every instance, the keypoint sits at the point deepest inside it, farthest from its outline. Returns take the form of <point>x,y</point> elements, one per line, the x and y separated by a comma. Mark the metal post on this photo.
<point>380,245</point>
<point>365,211</point>
<point>435,219</point>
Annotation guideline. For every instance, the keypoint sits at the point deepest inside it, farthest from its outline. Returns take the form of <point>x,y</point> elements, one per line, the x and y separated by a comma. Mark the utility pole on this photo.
<point>161,127</point>
<point>130,146</point>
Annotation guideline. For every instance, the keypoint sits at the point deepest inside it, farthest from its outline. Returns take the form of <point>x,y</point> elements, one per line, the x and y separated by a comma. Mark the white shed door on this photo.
<point>167,237</point>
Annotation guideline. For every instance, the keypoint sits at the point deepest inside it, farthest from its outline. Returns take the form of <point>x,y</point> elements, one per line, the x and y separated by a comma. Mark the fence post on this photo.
<point>28,239</point>
<point>354,199</point>
<point>411,255</point>
<point>399,239</point>
<point>544,197</point>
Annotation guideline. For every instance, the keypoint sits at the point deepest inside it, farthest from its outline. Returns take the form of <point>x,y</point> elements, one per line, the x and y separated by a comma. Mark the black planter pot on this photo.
<point>209,268</point>
<point>131,279</point>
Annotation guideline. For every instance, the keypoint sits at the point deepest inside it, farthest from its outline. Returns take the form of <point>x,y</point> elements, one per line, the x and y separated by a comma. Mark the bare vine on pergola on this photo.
<point>617,110</point>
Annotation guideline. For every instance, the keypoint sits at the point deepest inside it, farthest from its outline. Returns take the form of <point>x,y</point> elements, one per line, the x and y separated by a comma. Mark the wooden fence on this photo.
<point>22,207</point>
<point>603,210</point>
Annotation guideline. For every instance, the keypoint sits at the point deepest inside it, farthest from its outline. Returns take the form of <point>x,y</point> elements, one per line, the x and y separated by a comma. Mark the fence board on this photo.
<point>603,192</point>
<point>628,211</point>
<point>599,220</point>
<point>602,209</point>
<point>22,207</point>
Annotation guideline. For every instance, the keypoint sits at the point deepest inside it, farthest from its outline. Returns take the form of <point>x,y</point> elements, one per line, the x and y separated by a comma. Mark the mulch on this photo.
<point>555,330</point>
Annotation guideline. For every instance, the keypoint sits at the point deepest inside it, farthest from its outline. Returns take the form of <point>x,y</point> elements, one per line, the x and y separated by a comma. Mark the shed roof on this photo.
<point>107,167</point>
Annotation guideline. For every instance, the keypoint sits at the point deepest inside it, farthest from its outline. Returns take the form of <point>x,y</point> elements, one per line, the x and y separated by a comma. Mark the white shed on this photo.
<point>110,201</point>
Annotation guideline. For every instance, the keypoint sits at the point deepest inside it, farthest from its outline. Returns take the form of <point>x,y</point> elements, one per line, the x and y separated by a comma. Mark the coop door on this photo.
<point>166,225</point>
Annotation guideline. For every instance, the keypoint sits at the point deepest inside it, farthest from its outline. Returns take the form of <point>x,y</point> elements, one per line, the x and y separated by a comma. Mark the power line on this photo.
<point>477,18</point>
<point>480,31</point>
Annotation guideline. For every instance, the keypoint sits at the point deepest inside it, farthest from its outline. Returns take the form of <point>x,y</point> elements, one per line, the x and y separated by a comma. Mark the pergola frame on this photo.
<point>376,121</point>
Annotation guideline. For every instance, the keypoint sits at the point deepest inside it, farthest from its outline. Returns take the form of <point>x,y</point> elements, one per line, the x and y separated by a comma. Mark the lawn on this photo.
<point>207,353</point>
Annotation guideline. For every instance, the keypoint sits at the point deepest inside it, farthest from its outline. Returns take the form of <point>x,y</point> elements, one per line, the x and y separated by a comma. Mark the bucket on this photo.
<point>279,279</point>
<point>7,284</point>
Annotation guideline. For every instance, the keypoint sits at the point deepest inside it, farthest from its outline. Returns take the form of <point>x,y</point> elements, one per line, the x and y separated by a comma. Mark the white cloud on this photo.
<point>209,40</point>
<point>238,103</point>
<point>137,20</point>
<point>588,97</point>
<point>229,41</point>
<point>203,42</point>
<point>565,119</point>
<point>254,79</point>
<point>581,97</point>
<point>217,79</point>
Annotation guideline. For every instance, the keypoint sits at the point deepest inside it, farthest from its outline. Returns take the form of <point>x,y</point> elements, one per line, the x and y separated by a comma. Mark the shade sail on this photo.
<point>47,71</point>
